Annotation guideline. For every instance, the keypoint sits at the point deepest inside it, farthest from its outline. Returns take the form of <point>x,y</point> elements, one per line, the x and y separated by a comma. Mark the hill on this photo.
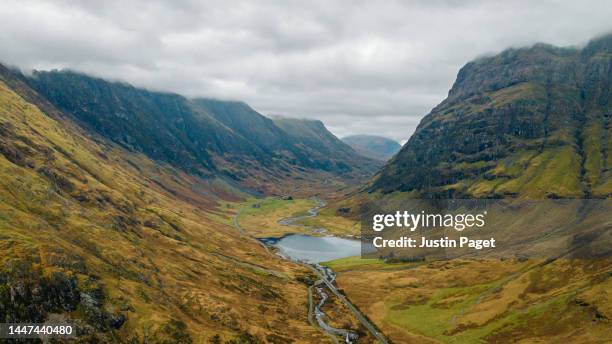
<point>127,248</point>
<point>530,122</point>
<point>375,147</point>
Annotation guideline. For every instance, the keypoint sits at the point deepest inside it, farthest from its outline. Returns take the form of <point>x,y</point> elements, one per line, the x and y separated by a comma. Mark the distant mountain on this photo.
<point>375,147</point>
<point>201,136</point>
<point>322,145</point>
<point>531,122</point>
<point>301,142</point>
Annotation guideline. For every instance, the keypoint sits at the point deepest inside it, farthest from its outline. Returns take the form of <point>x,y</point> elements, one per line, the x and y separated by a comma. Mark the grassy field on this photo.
<point>336,225</point>
<point>469,301</point>
<point>260,218</point>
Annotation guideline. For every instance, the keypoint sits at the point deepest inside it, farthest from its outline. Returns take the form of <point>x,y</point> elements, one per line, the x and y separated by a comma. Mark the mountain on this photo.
<point>96,232</point>
<point>322,145</point>
<point>375,147</point>
<point>530,122</point>
<point>302,142</point>
<point>247,122</point>
<point>529,127</point>
<point>208,138</point>
<point>164,126</point>
<point>524,134</point>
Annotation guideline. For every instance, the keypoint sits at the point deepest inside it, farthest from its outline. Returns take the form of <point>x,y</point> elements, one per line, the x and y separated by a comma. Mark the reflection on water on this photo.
<point>311,249</point>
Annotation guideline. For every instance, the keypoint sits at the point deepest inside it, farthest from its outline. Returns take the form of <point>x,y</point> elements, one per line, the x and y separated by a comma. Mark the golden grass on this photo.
<point>260,218</point>
<point>488,300</point>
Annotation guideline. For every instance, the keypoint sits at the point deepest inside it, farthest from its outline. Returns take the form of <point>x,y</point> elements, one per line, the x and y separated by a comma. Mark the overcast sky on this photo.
<point>373,67</point>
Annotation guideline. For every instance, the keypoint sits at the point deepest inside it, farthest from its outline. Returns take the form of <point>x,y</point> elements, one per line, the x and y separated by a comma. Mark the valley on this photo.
<point>310,251</point>
<point>507,135</point>
<point>127,247</point>
<point>465,300</point>
<point>148,216</point>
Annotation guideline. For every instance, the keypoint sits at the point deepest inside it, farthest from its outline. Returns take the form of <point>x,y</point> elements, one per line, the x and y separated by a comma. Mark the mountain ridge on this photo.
<point>322,144</point>
<point>529,122</point>
<point>201,136</point>
<point>321,150</point>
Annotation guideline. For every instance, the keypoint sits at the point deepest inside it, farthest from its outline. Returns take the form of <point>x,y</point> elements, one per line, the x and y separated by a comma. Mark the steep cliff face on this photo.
<point>531,122</point>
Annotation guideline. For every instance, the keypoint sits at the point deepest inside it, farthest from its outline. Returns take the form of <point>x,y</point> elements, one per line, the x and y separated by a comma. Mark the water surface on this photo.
<point>312,249</point>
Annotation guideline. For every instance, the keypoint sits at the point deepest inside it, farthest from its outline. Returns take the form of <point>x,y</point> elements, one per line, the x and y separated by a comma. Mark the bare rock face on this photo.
<point>532,122</point>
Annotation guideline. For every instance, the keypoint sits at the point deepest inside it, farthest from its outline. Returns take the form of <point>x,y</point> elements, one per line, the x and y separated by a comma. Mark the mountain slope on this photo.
<point>204,137</point>
<point>322,145</point>
<point>162,125</point>
<point>531,122</point>
<point>321,151</point>
<point>375,147</point>
<point>239,116</point>
<point>127,248</point>
<point>521,126</point>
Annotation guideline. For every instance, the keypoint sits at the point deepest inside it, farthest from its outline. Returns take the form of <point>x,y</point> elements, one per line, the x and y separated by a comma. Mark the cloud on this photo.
<point>359,66</point>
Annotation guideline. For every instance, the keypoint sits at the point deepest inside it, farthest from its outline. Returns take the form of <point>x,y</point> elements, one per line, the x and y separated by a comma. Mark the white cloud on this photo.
<point>360,66</point>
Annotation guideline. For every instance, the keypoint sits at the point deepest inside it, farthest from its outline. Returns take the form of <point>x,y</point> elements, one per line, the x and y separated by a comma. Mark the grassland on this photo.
<point>336,225</point>
<point>469,301</point>
<point>477,300</point>
<point>260,218</point>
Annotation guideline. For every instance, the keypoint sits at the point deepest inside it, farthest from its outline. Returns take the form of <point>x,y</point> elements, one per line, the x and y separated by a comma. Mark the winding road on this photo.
<point>326,277</point>
<point>362,319</point>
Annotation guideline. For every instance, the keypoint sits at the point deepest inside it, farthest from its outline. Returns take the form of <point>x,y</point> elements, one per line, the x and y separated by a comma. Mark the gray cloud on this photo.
<point>360,66</point>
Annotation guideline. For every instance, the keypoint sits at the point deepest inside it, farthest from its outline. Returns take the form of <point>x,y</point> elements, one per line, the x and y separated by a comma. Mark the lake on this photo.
<point>311,249</point>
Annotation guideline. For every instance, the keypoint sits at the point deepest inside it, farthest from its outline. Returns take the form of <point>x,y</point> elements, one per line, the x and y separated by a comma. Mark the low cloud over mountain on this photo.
<point>344,63</point>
